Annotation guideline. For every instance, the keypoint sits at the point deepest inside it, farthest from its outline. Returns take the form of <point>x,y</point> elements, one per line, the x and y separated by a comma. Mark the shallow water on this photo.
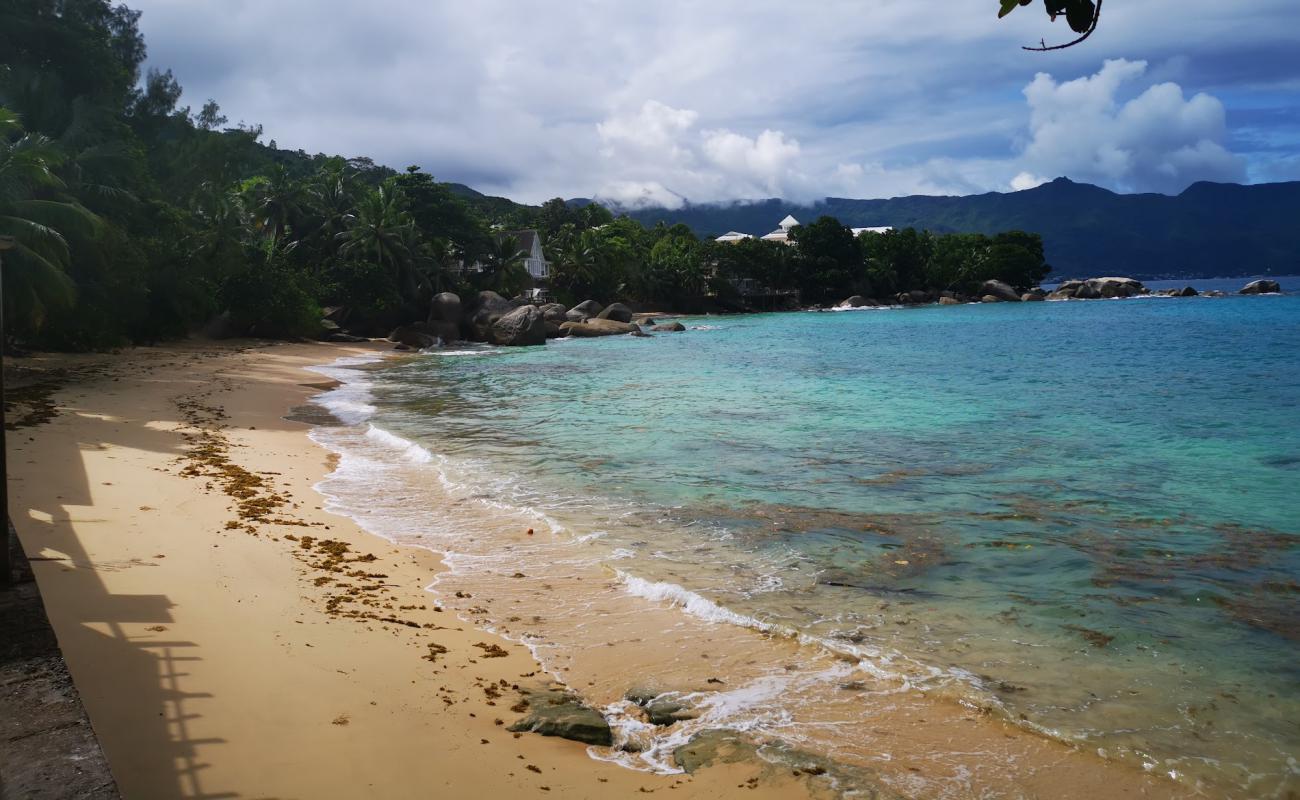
<point>1078,517</point>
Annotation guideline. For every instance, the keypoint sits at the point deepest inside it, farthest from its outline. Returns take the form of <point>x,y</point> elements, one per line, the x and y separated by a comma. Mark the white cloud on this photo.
<point>730,99</point>
<point>658,143</point>
<point>1159,141</point>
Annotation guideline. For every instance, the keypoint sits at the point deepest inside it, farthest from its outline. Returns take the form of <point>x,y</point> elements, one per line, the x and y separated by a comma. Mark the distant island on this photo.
<point>1210,230</point>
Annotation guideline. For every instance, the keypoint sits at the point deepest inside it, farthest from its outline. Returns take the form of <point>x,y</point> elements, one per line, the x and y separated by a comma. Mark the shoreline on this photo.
<point>1069,769</point>
<point>167,506</point>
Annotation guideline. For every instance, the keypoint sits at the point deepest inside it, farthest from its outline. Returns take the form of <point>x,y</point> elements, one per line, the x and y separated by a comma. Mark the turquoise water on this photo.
<point>1085,513</point>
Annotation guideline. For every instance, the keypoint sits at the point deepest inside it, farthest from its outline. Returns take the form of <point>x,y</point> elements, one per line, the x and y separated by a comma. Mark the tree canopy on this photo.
<point>137,219</point>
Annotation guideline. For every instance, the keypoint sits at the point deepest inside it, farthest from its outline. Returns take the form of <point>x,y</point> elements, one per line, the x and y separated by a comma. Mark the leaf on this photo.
<point>1079,14</point>
<point>1007,7</point>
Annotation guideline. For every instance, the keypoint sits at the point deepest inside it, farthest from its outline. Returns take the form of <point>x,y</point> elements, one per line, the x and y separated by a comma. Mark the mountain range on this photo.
<point>1209,230</point>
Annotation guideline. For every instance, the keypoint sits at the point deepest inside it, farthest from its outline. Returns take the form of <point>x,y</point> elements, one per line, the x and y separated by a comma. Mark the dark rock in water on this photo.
<point>1214,293</point>
<point>713,747</point>
<point>346,338</point>
<point>446,307</point>
<point>1037,292</point>
<point>1261,287</point>
<point>1186,291</point>
<point>670,327</point>
<point>988,298</point>
<point>598,327</point>
<point>1115,287</point>
<point>446,332</point>
<point>488,308</point>
<point>564,715</point>
<point>856,301</point>
<point>554,331</point>
<point>917,297</point>
<point>1000,290</point>
<point>949,301</point>
<point>617,312</point>
<point>646,321</point>
<point>412,338</point>
<point>524,326</point>
<point>660,708</point>
<point>1086,292</point>
<point>1066,291</point>
<point>584,311</point>
<point>554,312</point>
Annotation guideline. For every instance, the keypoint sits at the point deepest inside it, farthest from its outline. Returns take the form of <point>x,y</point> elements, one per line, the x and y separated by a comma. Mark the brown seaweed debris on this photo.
<point>492,650</point>
<point>1094,638</point>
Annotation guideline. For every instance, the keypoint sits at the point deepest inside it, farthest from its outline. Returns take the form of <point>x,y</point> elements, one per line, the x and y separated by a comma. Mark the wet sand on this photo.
<point>229,638</point>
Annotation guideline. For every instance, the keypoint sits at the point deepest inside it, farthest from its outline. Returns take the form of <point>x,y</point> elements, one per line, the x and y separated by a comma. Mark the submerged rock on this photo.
<point>670,327</point>
<point>661,708</point>
<point>1261,287</point>
<point>553,713</point>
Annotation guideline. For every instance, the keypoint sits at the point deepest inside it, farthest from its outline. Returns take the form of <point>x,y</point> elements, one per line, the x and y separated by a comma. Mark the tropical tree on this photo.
<point>41,218</point>
<point>504,261</point>
<point>276,202</point>
<point>380,231</point>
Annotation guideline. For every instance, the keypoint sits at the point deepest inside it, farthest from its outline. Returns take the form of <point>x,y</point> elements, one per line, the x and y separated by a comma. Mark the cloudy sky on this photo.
<point>669,99</point>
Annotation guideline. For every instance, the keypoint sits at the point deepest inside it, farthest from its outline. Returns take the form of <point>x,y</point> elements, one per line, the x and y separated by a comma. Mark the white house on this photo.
<point>530,242</point>
<point>782,233</point>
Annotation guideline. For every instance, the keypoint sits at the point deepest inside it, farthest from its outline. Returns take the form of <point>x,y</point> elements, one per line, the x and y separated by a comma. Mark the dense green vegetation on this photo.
<point>137,219</point>
<point>1210,230</point>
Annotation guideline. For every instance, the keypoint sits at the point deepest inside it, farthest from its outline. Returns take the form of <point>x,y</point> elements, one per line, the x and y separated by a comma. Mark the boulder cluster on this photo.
<point>493,319</point>
<point>1091,289</point>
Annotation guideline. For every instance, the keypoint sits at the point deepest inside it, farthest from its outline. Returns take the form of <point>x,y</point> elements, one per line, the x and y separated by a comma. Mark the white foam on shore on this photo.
<point>408,449</point>
<point>351,401</point>
<point>473,501</point>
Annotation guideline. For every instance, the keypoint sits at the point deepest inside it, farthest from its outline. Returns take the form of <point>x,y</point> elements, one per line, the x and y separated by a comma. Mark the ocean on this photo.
<point>820,530</point>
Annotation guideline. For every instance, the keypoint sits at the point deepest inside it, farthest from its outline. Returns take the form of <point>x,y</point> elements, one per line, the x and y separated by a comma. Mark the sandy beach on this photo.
<point>232,640</point>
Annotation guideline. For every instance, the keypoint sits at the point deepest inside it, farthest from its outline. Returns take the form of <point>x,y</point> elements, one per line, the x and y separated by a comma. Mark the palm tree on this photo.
<point>505,262</point>
<point>276,201</point>
<point>333,194</point>
<point>381,231</point>
<point>38,215</point>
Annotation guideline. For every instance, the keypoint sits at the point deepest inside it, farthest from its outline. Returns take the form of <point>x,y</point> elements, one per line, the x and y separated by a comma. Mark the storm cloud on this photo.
<point>675,100</point>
